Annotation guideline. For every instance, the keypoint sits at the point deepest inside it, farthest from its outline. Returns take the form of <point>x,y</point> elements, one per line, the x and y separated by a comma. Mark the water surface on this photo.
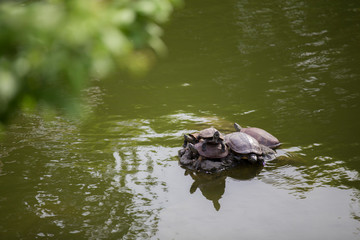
<point>290,67</point>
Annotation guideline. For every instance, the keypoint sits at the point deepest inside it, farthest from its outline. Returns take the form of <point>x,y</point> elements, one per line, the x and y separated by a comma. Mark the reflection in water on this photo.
<point>212,186</point>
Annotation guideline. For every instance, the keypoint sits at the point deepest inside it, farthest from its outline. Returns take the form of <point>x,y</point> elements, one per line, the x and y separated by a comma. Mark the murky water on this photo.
<point>290,67</point>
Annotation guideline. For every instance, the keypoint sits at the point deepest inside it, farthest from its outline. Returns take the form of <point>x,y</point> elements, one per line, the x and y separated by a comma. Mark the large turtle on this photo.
<point>262,136</point>
<point>244,146</point>
<point>212,151</point>
<point>210,136</point>
<point>205,159</point>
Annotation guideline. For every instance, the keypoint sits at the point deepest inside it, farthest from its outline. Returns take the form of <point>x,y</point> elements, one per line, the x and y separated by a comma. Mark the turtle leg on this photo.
<point>236,157</point>
<point>198,163</point>
<point>268,153</point>
<point>194,151</point>
<point>185,141</point>
<point>261,160</point>
<point>203,146</point>
<point>222,146</point>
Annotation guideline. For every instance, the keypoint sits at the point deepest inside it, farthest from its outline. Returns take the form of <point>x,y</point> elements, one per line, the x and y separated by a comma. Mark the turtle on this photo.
<point>209,136</point>
<point>212,152</point>
<point>190,138</point>
<point>244,146</point>
<point>262,136</point>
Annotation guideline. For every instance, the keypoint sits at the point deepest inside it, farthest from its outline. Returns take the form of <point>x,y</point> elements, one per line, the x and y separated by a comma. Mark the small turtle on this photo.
<point>262,136</point>
<point>244,146</point>
<point>209,135</point>
<point>190,138</point>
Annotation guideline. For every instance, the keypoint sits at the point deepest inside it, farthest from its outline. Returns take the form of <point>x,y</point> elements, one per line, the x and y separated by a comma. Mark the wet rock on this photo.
<point>191,161</point>
<point>211,165</point>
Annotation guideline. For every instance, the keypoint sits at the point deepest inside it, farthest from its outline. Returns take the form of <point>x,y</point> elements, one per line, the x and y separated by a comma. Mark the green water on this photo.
<point>290,67</point>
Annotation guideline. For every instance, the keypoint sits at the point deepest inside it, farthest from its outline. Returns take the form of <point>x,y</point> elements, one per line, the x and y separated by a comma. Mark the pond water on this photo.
<point>290,67</point>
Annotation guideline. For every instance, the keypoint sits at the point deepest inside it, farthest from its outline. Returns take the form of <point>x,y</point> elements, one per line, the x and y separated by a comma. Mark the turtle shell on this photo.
<point>262,136</point>
<point>243,143</point>
<point>195,135</point>
<point>212,150</point>
<point>209,133</point>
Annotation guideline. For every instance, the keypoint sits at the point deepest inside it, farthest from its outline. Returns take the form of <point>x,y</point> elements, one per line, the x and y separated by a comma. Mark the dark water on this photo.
<point>290,67</point>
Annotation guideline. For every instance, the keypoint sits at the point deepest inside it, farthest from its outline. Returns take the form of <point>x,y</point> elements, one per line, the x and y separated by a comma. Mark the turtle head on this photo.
<point>193,149</point>
<point>237,127</point>
<point>216,136</point>
<point>252,158</point>
<point>189,138</point>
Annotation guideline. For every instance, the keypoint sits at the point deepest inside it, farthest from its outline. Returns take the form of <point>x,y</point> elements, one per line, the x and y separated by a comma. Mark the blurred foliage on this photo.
<point>50,49</point>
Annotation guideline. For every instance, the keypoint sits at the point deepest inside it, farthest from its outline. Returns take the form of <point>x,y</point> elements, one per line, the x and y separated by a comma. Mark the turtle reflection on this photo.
<point>212,186</point>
